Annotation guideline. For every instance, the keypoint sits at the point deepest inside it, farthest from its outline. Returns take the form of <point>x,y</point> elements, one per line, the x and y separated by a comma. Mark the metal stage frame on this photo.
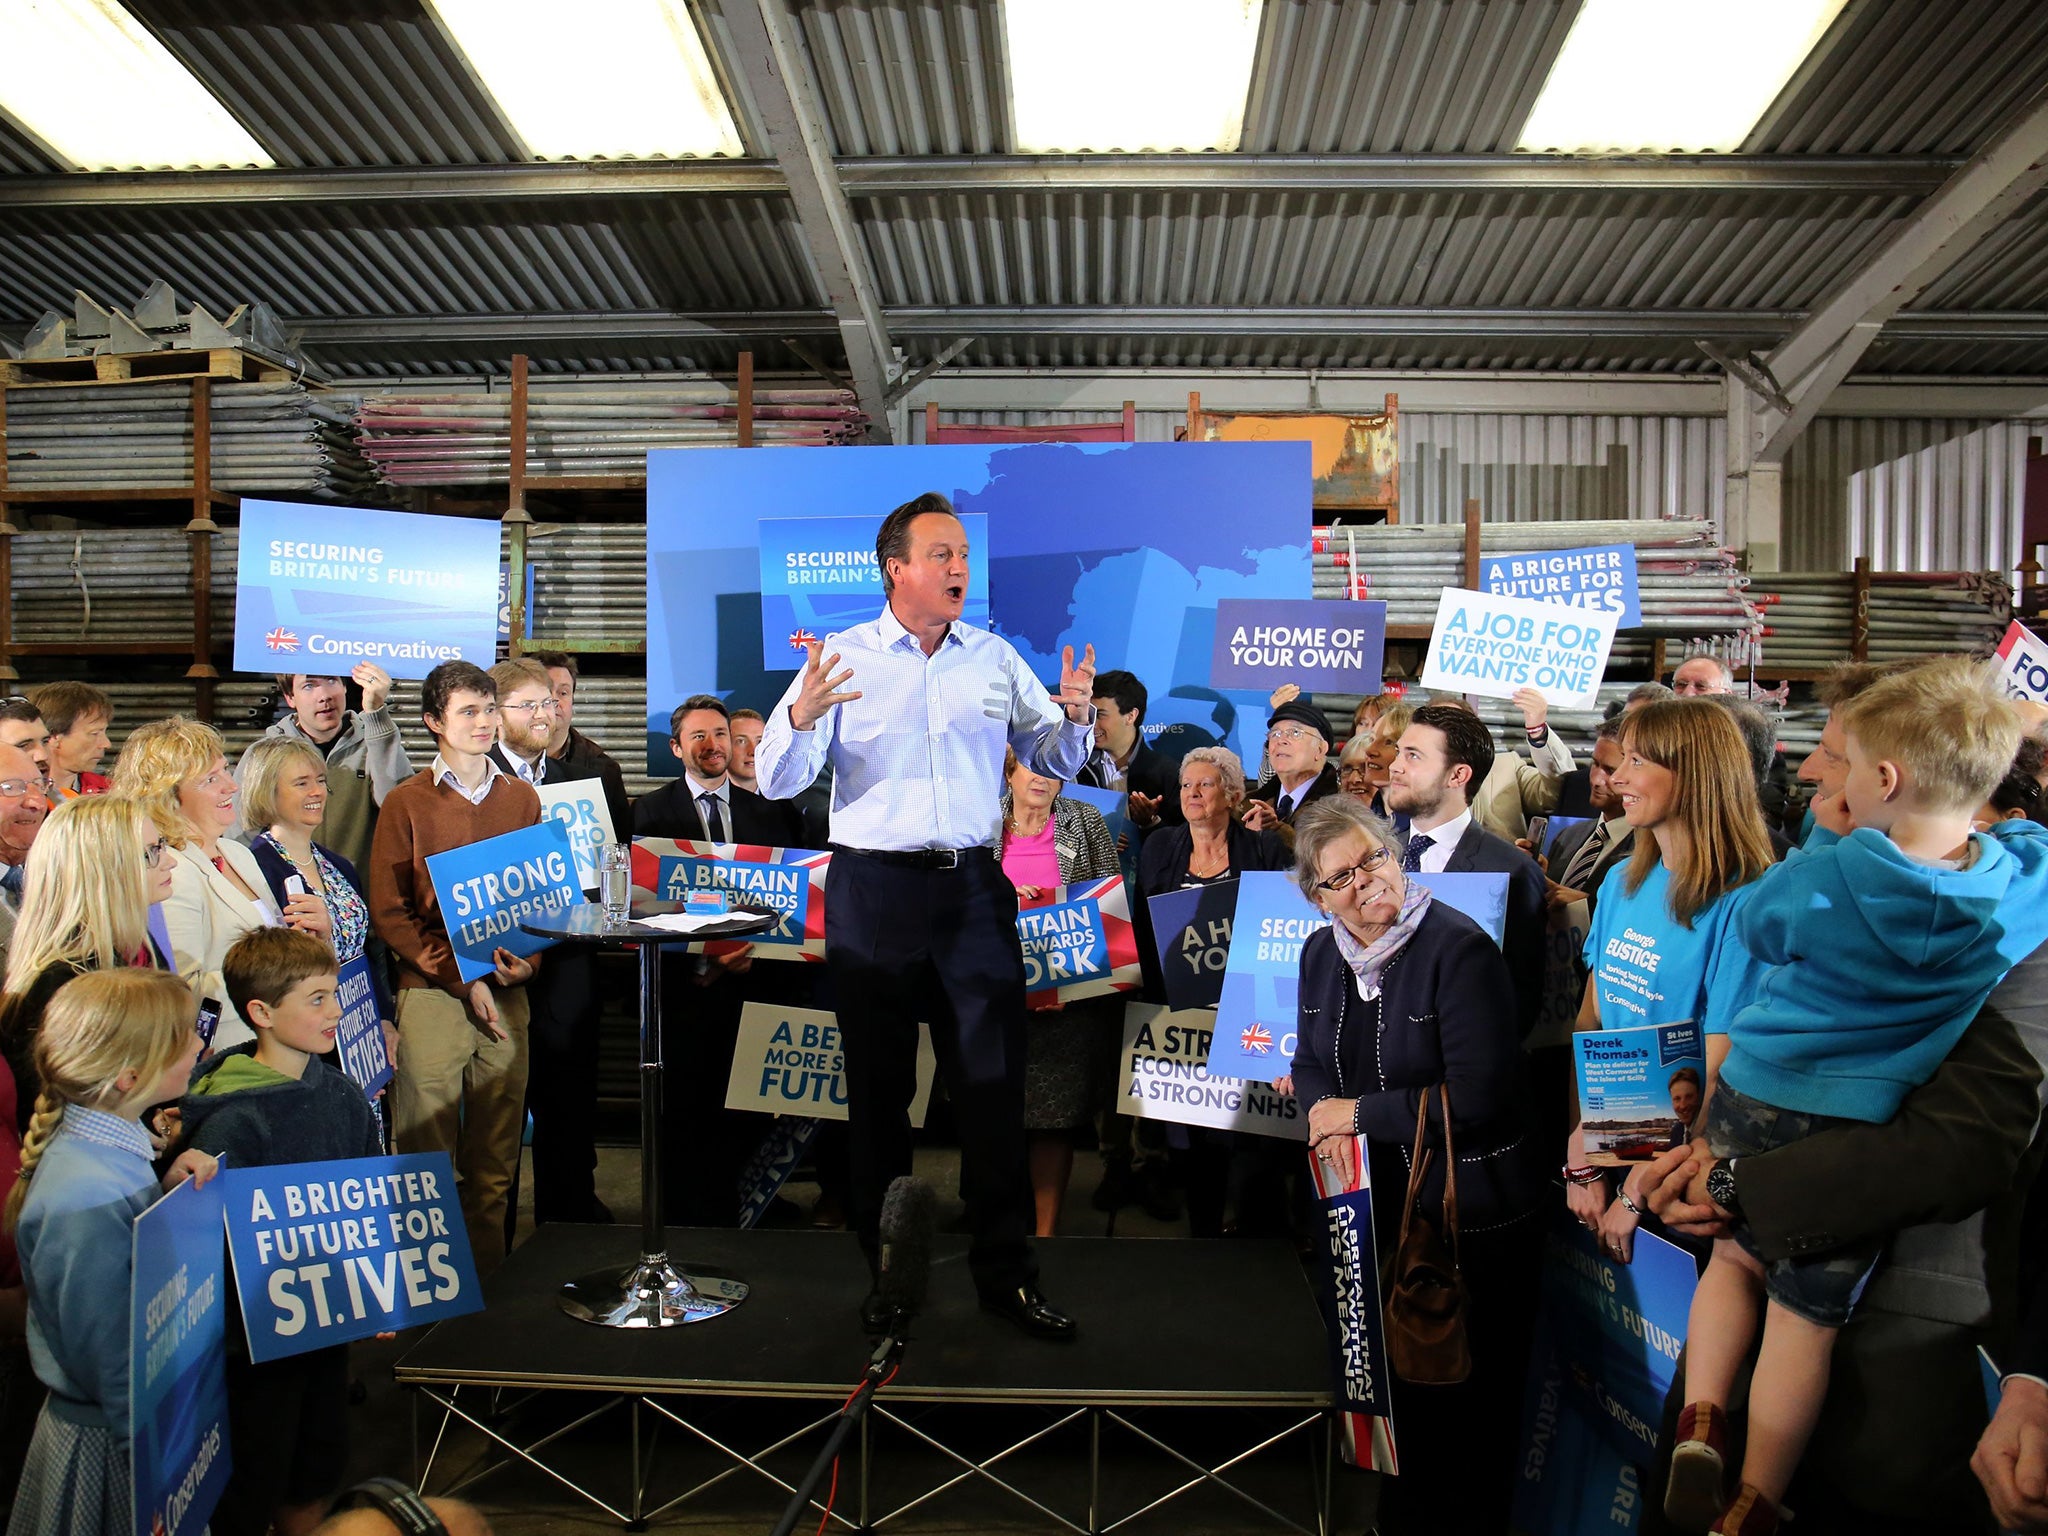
<point>1144,1355</point>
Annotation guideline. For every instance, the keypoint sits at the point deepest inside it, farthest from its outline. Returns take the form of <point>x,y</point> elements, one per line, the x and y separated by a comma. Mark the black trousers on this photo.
<point>906,945</point>
<point>561,1084</point>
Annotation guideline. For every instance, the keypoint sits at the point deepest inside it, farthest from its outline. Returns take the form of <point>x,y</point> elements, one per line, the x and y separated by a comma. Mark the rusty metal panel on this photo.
<point>1356,460</point>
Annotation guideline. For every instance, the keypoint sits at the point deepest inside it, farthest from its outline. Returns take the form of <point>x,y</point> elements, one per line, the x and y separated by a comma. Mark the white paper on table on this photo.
<point>686,922</point>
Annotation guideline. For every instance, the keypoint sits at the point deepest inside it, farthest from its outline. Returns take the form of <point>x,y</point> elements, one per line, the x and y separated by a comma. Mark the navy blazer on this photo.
<point>1487,853</point>
<point>1151,772</point>
<point>1446,1015</point>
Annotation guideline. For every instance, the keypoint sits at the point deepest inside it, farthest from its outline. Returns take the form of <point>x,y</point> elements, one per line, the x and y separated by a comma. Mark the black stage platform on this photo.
<point>1164,1324</point>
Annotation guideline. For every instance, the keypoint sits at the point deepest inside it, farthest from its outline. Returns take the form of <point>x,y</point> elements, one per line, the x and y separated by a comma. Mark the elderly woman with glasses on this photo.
<point>1362,767</point>
<point>1402,993</point>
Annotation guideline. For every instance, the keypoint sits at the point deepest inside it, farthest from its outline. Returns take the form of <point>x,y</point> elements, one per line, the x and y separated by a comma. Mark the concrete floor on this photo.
<point>523,1502</point>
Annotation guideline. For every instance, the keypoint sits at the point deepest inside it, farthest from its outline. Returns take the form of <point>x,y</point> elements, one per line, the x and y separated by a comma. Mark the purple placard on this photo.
<point>1324,646</point>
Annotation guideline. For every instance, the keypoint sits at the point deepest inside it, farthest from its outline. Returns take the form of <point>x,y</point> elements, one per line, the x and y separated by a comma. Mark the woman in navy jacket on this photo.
<point>1401,993</point>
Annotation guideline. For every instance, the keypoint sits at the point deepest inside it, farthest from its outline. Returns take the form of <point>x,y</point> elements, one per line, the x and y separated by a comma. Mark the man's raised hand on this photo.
<point>1077,684</point>
<point>818,695</point>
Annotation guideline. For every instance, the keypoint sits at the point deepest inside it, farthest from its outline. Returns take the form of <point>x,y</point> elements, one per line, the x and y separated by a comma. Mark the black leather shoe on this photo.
<point>874,1315</point>
<point>1032,1313</point>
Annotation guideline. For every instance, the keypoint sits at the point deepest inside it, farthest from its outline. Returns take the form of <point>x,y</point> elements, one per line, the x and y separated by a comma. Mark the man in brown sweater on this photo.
<point>460,1084</point>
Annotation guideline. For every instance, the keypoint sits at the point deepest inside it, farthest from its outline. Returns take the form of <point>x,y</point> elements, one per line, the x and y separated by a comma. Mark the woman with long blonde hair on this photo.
<point>94,870</point>
<point>178,770</point>
<point>1662,947</point>
<point>113,1042</point>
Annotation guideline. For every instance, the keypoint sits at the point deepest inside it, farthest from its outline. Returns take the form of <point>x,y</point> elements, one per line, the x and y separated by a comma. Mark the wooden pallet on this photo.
<point>145,368</point>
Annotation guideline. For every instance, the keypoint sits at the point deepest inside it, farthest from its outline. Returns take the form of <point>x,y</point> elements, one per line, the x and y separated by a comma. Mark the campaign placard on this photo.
<point>1191,932</point>
<point>1078,942</point>
<point>1341,1171</point>
<point>1483,897</point>
<point>1597,576</point>
<point>1326,646</point>
<point>1492,646</point>
<point>177,1383</point>
<point>1639,1089</point>
<point>791,880</point>
<point>359,1037</point>
<point>487,889</point>
<point>819,574</point>
<point>1256,1011</point>
<point>1556,827</point>
<point>1114,806</point>
<point>319,589</point>
<point>329,1252</point>
<point>789,1061</point>
<point>1608,1336</point>
<point>2022,664</point>
<point>579,805</point>
<point>1164,1075</point>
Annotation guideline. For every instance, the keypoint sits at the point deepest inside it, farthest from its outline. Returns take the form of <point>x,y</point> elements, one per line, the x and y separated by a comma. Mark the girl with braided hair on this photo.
<point>112,1043</point>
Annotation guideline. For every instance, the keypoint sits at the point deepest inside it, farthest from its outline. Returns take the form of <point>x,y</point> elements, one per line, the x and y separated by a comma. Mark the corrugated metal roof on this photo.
<point>909,77</point>
<point>19,154</point>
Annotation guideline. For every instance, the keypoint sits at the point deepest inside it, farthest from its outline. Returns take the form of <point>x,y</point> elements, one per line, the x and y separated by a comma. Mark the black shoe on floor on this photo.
<point>1032,1313</point>
<point>874,1315</point>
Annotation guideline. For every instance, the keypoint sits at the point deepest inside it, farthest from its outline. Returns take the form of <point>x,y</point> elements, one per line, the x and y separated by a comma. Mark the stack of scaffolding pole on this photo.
<point>1809,617</point>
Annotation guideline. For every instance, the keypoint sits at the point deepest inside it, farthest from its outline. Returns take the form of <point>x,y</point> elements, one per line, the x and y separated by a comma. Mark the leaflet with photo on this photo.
<point>1640,1090</point>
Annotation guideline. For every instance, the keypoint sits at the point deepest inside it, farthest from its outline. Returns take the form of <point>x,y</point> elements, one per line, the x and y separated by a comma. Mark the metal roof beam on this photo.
<point>867,177</point>
<point>951,324</point>
<point>770,57</point>
<point>1832,339</point>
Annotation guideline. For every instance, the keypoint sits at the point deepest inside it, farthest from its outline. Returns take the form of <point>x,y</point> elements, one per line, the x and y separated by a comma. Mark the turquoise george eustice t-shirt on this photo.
<point>1649,969</point>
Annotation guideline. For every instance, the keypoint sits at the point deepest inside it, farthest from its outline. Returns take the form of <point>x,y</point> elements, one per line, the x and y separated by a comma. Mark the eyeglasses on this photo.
<point>550,705</point>
<point>1292,733</point>
<point>14,789</point>
<point>1375,860</point>
<point>1353,771</point>
<point>153,855</point>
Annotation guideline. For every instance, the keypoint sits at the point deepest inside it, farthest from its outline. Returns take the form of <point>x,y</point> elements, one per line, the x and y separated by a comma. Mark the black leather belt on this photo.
<point>918,858</point>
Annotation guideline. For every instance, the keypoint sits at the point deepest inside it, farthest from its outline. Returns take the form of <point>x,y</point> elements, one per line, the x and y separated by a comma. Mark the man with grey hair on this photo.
<point>1701,675</point>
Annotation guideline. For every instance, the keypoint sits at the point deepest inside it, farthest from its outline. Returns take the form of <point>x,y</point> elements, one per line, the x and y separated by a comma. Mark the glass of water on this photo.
<point>615,882</point>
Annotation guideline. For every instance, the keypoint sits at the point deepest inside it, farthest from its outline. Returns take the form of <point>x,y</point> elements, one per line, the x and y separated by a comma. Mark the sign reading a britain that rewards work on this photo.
<point>579,805</point>
<point>1493,646</point>
<point>1078,942</point>
<point>329,1252</point>
<point>1599,576</point>
<point>1323,646</point>
<point>321,589</point>
<point>488,889</point>
<point>359,1037</point>
<point>819,575</point>
<point>791,880</point>
<point>178,1390</point>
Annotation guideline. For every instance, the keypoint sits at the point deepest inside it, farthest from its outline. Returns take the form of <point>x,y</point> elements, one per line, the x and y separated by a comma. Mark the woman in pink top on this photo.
<point>1049,841</point>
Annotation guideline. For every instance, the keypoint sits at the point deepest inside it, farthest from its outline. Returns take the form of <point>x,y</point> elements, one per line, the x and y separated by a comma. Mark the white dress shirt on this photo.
<point>443,774</point>
<point>917,759</point>
<point>1443,842</point>
<point>698,790</point>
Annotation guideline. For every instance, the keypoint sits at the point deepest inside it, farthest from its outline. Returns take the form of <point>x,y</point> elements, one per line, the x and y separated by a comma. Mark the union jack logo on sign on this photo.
<point>1255,1039</point>
<point>799,638</point>
<point>281,640</point>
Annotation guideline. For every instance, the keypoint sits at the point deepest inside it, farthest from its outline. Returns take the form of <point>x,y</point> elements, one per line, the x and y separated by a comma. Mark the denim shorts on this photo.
<point>1823,1290</point>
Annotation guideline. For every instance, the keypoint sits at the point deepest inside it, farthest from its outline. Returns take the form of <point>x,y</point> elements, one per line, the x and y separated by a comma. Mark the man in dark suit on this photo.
<point>1122,760</point>
<point>706,1146</point>
<point>1445,753</point>
<point>1943,1180</point>
<point>1298,742</point>
<point>1581,856</point>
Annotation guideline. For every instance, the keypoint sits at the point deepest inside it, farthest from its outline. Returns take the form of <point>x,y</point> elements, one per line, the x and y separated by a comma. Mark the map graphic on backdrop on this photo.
<point>1125,546</point>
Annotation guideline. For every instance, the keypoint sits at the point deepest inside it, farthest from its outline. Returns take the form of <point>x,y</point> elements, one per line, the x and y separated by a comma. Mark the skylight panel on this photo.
<point>1129,75</point>
<point>94,85</point>
<point>1671,76</point>
<point>596,79</point>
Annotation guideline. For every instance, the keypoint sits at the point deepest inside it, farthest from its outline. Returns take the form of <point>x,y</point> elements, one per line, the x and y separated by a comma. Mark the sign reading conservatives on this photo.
<point>321,589</point>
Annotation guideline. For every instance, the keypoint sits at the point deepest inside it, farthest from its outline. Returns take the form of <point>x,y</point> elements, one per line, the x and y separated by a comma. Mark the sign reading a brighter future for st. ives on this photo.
<point>1598,576</point>
<point>1493,646</point>
<point>321,589</point>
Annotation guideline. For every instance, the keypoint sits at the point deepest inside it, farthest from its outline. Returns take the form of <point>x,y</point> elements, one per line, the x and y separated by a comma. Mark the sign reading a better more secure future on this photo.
<point>321,589</point>
<point>1493,646</point>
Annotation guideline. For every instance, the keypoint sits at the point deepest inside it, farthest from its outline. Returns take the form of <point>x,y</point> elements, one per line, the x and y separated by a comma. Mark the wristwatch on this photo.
<point>1721,1186</point>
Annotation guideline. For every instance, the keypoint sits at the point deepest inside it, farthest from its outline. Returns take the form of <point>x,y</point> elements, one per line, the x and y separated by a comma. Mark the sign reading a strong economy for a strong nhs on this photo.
<point>819,574</point>
<point>1322,646</point>
<point>178,1390</point>
<point>1599,576</point>
<point>321,589</point>
<point>1493,646</point>
<point>487,889</point>
<point>329,1252</point>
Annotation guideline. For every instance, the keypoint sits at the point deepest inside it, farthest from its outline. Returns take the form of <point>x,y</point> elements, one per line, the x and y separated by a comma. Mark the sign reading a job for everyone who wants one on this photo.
<point>322,589</point>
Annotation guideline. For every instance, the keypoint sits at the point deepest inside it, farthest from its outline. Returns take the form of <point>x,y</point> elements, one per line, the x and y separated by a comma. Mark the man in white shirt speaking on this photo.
<point>920,921</point>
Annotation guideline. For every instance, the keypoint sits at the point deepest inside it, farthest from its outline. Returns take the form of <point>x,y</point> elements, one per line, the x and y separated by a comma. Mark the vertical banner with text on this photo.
<point>178,1391</point>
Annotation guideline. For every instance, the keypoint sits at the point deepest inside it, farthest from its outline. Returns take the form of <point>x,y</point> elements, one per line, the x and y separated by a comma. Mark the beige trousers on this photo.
<point>456,1090</point>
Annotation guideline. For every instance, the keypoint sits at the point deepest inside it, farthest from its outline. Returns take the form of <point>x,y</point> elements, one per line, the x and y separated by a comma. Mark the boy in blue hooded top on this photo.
<point>1882,945</point>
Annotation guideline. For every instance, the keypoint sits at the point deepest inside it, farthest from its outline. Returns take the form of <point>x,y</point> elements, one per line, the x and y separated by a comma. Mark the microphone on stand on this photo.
<point>903,1273</point>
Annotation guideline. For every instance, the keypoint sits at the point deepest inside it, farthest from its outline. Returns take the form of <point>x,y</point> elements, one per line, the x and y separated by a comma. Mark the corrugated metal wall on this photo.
<point>1915,494</point>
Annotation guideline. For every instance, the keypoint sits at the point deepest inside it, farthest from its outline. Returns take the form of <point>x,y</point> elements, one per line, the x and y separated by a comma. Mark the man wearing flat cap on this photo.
<point>1298,742</point>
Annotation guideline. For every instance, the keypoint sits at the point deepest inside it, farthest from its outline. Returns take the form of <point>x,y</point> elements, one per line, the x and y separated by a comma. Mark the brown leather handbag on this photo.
<point>1425,1294</point>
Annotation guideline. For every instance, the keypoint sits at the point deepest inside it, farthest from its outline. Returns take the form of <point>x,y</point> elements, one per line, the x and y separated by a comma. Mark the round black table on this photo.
<point>652,1292</point>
